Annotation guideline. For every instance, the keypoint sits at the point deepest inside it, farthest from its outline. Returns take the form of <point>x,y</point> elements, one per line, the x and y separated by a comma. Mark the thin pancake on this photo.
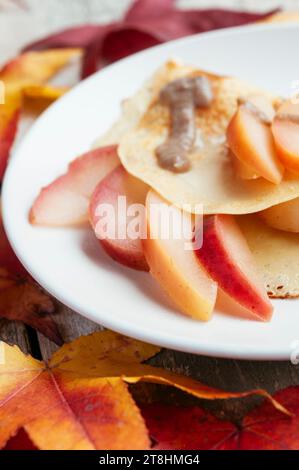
<point>212,181</point>
<point>276,253</point>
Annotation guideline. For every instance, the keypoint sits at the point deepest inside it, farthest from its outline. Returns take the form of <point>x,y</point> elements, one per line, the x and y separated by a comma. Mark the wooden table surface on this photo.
<point>223,373</point>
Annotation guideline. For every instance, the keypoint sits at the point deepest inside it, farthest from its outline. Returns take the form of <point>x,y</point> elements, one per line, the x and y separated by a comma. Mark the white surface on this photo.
<point>40,18</point>
<point>69,263</point>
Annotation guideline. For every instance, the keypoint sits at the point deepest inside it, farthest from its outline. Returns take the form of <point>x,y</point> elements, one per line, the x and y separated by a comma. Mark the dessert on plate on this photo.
<point>197,183</point>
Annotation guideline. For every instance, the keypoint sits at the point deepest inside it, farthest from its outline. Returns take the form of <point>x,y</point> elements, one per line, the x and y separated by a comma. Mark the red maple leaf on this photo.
<point>146,23</point>
<point>192,428</point>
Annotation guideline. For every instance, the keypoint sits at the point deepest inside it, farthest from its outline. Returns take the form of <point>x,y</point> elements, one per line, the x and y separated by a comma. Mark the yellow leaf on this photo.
<point>79,399</point>
<point>26,74</point>
<point>34,68</point>
<point>45,92</point>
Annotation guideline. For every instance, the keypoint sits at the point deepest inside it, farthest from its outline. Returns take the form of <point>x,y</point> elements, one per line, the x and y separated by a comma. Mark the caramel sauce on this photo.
<point>182,96</point>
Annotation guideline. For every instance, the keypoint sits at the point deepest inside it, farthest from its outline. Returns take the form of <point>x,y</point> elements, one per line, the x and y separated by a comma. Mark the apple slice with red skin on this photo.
<point>118,243</point>
<point>227,258</point>
<point>65,201</point>
<point>174,267</point>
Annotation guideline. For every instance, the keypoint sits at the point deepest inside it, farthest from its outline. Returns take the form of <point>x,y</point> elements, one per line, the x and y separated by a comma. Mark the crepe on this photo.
<point>276,253</point>
<point>212,180</point>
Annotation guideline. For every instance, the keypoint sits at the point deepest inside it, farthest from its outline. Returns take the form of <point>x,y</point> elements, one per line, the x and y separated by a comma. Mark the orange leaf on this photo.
<point>79,399</point>
<point>45,93</point>
<point>35,67</point>
<point>20,441</point>
<point>133,372</point>
<point>21,299</point>
<point>9,117</point>
<point>26,72</point>
<point>72,409</point>
<point>38,97</point>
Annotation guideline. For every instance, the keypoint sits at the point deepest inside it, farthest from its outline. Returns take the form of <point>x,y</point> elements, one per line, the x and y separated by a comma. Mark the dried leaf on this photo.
<point>78,359</point>
<point>185,428</point>
<point>20,441</point>
<point>21,299</point>
<point>147,23</point>
<point>79,399</point>
<point>24,73</point>
<point>38,97</point>
<point>44,92</point>
<point>8,259</point>
<point>192,428</point>
<point>88,37</point>
<point>9,117</point>
<point>68,407</point>
<point>141,9</point>
<point>34,68</point>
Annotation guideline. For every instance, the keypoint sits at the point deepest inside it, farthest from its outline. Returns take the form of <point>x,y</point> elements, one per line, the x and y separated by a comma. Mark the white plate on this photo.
<point>69,262</point>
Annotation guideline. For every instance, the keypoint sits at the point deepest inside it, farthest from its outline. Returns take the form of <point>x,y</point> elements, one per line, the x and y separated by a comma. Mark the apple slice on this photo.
<point>285,130</point>
<point>227,258</point>
<point>65,201</point>
<point>284,216</point>
<point>250,138</point>
<point>172,265</point>
<point>115,196</point>
<point>244,171</point>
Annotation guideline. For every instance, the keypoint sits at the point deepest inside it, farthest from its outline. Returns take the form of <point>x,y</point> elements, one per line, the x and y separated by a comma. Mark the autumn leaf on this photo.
<point>38,97</point>
<point>44,92</point>
<point>185,428</point>
<point>33,68</point>
<point>21,299</point>
<point>26,74</point>
<point>192,428</point>
<point>20,441</point>
<point>79,399</point>
<point>146,23</point>
<point>8,259</point>
<point>9,117</point>
<point>62,405</point>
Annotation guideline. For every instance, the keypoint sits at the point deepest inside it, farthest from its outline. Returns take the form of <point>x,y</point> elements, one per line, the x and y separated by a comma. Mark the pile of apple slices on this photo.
<point>265,143</point>
<point>192,278</point>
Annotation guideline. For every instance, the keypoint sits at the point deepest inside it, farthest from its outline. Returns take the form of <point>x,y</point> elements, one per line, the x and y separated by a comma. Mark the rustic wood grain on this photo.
<point>15,333</point>
<point>71,325</point>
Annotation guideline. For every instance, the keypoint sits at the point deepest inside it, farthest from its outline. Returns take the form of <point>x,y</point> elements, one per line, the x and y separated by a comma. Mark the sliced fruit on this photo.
<point>122,241</point>
<point>65,201</point>
<point>227,258</point>
<point>263,105</point>
<point>250,138</point>
<point>285,130</point>
<point>284,216</point>
<point>172,265</point>
<point>244,171</point>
